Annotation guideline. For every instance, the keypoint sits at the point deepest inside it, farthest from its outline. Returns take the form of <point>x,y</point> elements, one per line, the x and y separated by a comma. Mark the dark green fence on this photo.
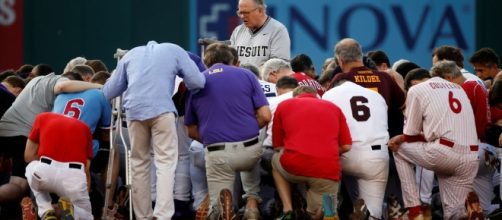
<point>59,30</point>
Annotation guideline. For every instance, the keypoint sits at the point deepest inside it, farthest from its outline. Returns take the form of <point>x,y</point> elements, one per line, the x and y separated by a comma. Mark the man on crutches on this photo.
<point>146,74</point>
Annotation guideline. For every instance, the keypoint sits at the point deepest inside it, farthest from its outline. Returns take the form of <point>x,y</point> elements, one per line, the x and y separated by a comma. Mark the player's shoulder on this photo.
<point>238,30</point>
<point>276,24</point>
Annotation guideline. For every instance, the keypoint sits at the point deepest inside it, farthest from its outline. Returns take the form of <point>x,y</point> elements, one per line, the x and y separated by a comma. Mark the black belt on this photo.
<point>376,147</point>
<point>222,146</point>
<point>70,165</point>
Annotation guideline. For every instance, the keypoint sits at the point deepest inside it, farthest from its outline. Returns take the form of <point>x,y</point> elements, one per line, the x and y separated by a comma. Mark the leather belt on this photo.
<point>442,141</point>
<point>222,146</point>
<point>450,144</point>
<point>70,165</point>
<point>376,147</point>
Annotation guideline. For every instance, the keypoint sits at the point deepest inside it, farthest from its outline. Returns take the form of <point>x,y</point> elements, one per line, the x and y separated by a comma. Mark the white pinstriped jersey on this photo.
<point>365,111</point>
<point>439,108</point>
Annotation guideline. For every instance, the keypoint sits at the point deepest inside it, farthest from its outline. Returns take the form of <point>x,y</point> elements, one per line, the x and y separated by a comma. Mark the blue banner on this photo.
<point>403,29</point>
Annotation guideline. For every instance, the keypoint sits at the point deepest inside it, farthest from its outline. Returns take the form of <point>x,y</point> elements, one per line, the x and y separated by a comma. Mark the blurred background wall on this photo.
<point>55,31</point>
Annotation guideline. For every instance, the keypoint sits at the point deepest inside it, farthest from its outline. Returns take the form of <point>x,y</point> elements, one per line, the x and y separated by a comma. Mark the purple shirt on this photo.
<point>225,110</point>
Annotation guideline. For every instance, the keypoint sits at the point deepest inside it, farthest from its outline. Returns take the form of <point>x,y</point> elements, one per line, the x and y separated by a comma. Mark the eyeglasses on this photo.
<point>245,13</point>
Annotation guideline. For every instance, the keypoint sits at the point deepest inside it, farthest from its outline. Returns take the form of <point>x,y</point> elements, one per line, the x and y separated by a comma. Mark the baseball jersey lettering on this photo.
<point>367,79</point>
<point>304,80</point>
<point>268,89</point>
<point>360,112</point>
<point>252,51</point>
<point>455,105</point>
<point>439,85</point>
<point>73,108</point>
<point>218,70</point>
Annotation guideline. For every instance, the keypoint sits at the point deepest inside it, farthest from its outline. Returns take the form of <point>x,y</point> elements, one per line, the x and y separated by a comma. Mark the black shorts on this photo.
<point>14,147</point>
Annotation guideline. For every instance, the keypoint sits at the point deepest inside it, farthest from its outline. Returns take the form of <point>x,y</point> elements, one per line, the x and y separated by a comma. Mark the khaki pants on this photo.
<point>159,133</point>
<point>222,165</point>
<point>316,186</point>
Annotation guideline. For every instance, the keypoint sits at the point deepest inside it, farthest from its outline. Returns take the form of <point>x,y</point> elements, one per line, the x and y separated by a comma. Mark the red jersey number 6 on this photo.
<point>72,108</point>
<point>455,105</point>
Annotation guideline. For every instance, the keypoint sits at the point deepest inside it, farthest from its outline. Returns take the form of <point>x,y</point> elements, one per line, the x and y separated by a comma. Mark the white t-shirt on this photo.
<point>273,103</point>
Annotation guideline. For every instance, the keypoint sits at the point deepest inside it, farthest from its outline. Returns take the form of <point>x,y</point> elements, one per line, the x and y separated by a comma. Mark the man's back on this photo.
<point>311,131</point>
<point>38,96</point>
<point>225,108</point>
<point>441,110</point>
<point>62,138</point>
<point>304,80</point>
<point>365,111</point>
<point>89,106</point>
<point>386,86</point>
<point>146,75</point>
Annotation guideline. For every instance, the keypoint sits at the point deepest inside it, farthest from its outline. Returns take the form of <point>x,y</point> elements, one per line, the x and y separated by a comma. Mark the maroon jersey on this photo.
<point>384,84</point>
<point>62,138</point>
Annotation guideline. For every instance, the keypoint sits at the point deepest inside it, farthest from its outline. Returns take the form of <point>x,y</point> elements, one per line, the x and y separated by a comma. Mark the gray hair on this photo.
<point>348,50</point>
<point>444,67</point>
<point>304,89</point>
<point>274,64</point>
<point>74,62</point>
<point>261,3</point>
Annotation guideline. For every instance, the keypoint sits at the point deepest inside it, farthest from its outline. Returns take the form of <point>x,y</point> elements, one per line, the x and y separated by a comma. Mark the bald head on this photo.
<point>348,50</point>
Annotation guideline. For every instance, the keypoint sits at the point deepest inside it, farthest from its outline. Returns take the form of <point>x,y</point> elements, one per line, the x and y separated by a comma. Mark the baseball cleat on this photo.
<point>360,211</point>
<point>66,209</point>
<point>473,206</point>
<point>27,209</point>
<point>202,211</point>
<point>426,211</point>
<point>226,206</point>
<point>49,215</point>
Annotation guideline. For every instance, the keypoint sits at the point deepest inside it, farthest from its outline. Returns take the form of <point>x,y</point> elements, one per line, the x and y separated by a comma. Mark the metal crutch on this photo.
<point>117,117</point>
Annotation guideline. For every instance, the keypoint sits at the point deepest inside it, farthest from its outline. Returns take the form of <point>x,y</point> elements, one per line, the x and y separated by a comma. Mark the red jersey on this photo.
<point>479,101</point>
<point>496,113</point>
<point>304,80</point>
<point>62,138</point>
<point>311,131</point>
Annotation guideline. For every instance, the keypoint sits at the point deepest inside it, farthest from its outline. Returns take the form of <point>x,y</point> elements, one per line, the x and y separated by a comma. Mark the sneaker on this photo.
<point>474,210</point>
<point>110,212</point>
<point>286,216</point>
<point>395,210</point>
<point>49,215</point>
<point>202,211</point>
<point>226,205</point>
<point>251,214</point>
<point>28,209</point>
<point>360,211</point>
<point>66,207</point>
<point>329,207</point>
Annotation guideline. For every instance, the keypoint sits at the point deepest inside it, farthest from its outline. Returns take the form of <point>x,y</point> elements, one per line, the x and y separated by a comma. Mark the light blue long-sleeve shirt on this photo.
<point>146,76</point>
